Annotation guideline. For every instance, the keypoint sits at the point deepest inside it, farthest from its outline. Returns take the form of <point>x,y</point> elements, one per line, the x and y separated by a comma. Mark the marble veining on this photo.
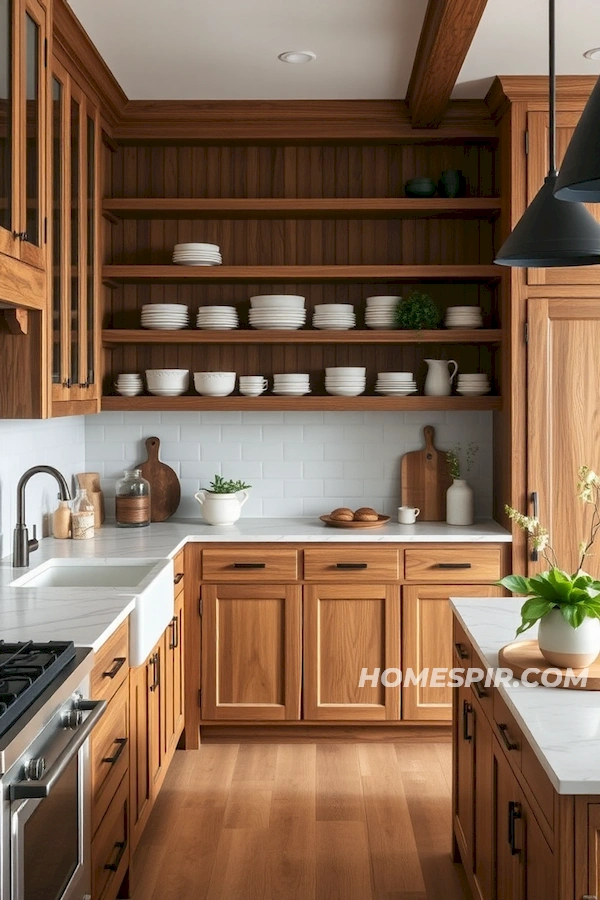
<point>562,726</point>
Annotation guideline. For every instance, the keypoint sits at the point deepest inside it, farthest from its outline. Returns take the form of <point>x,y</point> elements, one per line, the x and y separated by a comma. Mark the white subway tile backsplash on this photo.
<point>298,463</point>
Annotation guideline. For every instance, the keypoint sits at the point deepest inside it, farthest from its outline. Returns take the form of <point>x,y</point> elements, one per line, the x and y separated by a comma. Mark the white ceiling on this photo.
<point>227,50</point>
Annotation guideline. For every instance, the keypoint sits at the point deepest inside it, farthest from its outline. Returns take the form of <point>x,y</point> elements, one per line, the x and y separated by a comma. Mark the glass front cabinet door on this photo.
<point>75,281</point>
<point>23,144</point>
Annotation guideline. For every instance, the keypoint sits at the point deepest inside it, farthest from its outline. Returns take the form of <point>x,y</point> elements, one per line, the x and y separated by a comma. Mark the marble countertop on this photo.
<point>562,726</point>
<point>89,617</point>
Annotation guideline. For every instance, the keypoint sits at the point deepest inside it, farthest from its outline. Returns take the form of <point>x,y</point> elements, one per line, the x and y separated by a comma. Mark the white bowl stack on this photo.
<point>380,312</point>
<point>396,384</point>
<point>217,318</point>
<point>277,311</point>
<point>463,317</point>
<point>194,254</point>
<point>474,385</point>
<point>345,381</point>
<point>165,316</point>
<point>293,384</point>
<point>214,384</point>
<point>167,382</point>
<point>334,316</point>
<point>129,385</point>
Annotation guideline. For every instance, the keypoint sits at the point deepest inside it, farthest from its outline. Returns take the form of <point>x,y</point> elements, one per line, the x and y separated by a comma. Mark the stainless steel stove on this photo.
<point>45,722</point>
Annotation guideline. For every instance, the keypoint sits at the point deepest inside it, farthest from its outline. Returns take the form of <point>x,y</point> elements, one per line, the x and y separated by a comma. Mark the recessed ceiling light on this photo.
<point>594,53</point>
<point>297,56</point>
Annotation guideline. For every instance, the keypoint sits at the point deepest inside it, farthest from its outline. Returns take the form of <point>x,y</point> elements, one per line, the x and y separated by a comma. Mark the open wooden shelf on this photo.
<point>141,273</point>
<point>119,336</point>
<point>308,402</point>
<point>300,207</point>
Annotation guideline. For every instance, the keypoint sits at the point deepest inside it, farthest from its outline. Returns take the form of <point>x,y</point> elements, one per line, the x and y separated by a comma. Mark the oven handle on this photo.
<point>28,790</point>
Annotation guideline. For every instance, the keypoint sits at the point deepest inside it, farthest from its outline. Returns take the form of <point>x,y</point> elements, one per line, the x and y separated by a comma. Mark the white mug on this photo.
<point>407,515</point>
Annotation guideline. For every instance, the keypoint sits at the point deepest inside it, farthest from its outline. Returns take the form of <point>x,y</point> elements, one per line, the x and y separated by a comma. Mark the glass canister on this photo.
<point>82,517</point>
<point>132,500</point>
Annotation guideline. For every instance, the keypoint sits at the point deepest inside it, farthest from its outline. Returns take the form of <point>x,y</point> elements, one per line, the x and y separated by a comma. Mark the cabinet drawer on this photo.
<point>507,731</point>
<point>356,564</point>
<point>109,754</point>
<point>538,781</point>
<point>244,563</point>
<point>456,564</point>
<point>110,848</point>
<point>111,665</point>
<point>178,577</point>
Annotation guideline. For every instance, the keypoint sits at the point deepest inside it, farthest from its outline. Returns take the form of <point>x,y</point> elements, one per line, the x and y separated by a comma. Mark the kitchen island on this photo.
<point>526,772</point>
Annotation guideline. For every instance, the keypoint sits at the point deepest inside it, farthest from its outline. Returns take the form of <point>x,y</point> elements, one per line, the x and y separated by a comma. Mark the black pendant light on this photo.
<point>551,232</point>
<point>579,177</point>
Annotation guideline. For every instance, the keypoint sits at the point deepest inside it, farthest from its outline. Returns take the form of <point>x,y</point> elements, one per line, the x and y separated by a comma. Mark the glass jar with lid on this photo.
<point>132,500</point>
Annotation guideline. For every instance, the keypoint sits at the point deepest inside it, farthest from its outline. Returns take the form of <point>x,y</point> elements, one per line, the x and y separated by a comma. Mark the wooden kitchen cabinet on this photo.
<point>251,652</point>
<point>23,130</point>
<point>146,697</point>
<point>348,628</point>
<point>174,693</point>
<point>427,644</point>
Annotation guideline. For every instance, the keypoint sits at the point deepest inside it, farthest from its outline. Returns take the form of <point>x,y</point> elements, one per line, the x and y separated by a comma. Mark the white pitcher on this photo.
<point>439,381</point>
<point>221,509</point>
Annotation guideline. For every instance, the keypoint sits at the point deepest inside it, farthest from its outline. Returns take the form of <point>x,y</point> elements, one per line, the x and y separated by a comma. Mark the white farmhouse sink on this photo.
<point>150,580</point>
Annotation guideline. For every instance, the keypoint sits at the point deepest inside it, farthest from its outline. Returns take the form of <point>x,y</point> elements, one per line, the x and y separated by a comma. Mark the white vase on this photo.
<point>459,503</point>
<point>221,509</point>
<point>565,646</point>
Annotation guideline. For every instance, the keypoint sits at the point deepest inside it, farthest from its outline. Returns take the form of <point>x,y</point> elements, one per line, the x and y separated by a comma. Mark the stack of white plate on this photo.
<point>217,318</point>
<point>165,316</point>
<point>167,382</point>
<point>473,385</point>
<point>334,316</point>
<point>345,381</point>
<point>463,317</point>
<point>395,384</point>
<point>380,312</point>
<point>293,384</point>
<point>129,385</point>
<point>193,254</point>
<point>277,311</point>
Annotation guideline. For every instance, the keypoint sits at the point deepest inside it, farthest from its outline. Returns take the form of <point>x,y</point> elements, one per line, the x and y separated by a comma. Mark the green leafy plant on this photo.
<point>221,486</point>
<point>576,595</point>
<point>417,312</point>
<point>453,459</point>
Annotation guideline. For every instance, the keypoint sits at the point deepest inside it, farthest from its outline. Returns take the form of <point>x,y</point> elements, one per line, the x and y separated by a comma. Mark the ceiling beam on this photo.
<point>448,30</point>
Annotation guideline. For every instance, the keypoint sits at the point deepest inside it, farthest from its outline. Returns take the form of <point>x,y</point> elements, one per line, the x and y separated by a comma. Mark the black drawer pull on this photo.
<point>506,738</point>
<point>174,626</point>
<point>351,565</point>
<point>119,662</point>
<point>178,578</point>
<point>122,742</point>
<point>514,812</point>
<point>249,565</point>
<point>481,692</point>
<point>121,846</point>
<point>461,651</point>
<point>155,663</point>
<point>453,566</point>
<point>467,709</point>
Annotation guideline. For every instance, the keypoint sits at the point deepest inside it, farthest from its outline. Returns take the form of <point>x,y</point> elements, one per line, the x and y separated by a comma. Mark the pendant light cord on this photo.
<point>551,89</point>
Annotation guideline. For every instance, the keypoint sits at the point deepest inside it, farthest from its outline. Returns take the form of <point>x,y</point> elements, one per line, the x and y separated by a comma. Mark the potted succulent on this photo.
<point>222,502</point>
<point>567,605</point>
<point>459,496</point>
<point>417,312</point>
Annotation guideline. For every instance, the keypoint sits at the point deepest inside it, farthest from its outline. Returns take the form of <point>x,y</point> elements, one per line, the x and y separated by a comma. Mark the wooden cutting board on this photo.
<point>425,480</point>
<point>164,484</point>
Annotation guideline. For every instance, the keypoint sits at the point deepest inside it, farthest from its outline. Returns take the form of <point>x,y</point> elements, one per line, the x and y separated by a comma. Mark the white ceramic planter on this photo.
<point>565,646</point>
<point>459,503</point>
<point>221,509</point>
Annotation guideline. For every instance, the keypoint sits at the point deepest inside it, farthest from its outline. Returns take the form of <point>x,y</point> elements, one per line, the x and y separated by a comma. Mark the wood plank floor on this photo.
<point>327,821</point>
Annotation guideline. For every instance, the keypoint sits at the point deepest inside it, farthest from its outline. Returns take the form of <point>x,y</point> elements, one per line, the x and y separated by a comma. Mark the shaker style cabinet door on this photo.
<point>251,652</point>
<point>348,629</point>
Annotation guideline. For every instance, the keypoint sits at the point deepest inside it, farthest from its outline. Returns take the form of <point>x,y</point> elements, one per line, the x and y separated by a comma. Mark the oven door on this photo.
<point>50,828</point>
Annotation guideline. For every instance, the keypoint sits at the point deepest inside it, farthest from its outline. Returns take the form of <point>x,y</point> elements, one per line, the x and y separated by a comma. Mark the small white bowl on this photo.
<point>214,384</point>
<point>359,371</point>
<point>277,301</point>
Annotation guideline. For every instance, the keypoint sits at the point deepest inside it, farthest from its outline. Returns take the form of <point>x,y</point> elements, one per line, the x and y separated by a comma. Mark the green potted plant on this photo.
<point>222,502</point>
<point>567,605</point>
<point>459,496</point>
<point>417,312</point>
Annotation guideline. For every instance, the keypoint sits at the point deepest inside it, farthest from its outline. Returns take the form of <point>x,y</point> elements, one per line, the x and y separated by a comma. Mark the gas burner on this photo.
<point>26,670</point>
